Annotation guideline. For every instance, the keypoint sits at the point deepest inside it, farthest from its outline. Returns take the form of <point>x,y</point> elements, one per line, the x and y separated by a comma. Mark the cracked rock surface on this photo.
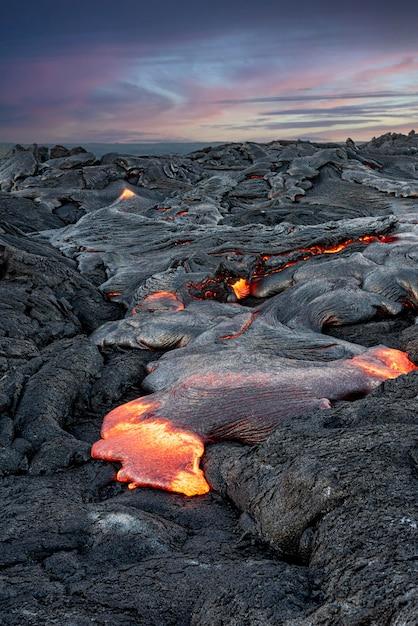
<point>314,525</point>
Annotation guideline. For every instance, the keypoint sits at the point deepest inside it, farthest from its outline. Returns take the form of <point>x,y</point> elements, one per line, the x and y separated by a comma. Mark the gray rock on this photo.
<point>119,281</point>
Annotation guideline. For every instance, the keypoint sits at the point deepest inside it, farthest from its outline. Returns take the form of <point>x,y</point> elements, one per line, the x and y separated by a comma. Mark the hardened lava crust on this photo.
<point>209,386</point>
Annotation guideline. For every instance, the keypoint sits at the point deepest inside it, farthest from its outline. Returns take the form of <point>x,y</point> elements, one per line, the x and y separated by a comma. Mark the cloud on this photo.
<point>211,71</point>
<point>323,123</point>
<point>321,97</point>
<point>342,111</point>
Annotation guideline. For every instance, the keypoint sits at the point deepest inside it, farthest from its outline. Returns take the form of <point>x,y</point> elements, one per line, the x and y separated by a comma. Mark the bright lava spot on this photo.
<point>126,194</point>
<point>159,301</point>
<point>241,288</point>
<point>385,363</point>
<point>153,452</point>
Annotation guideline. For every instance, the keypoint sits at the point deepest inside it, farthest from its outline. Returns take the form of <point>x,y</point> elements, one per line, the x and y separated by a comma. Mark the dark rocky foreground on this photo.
<point>317,523</point>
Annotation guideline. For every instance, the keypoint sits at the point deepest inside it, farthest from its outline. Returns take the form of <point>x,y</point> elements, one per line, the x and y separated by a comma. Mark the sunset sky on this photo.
<point>132,71</point>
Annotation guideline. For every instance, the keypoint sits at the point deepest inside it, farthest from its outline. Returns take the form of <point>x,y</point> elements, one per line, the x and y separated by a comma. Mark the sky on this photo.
<point>231,70</point>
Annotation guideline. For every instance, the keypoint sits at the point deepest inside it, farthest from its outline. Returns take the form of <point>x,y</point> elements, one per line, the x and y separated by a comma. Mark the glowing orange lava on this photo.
<point>384,363</point>
<point>365,239</point>
<point>342,245</point>
<point>214,287</point>
<point>153,452</point>
<point>127,194</point>
<point>241,288</point>
<point>156,453</point>
<point>109,295</point>
<point>159,301</point>
<point>316,250</point>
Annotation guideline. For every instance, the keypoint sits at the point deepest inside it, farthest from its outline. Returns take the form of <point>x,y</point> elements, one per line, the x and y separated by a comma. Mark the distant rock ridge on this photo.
<point>393,143</point>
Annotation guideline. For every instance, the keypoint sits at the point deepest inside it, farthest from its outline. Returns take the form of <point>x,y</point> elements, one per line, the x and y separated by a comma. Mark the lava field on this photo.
<point>209,386</point>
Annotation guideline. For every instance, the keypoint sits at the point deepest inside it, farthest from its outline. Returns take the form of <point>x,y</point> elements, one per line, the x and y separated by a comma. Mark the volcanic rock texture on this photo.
<point>245,316</point>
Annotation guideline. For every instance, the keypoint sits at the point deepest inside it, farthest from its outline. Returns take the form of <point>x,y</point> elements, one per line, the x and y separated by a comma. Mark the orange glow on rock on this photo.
<point>365,239</point>
<point>109,295</point>
<point>127,194</point>
<point>316,250</point>
<point>153,452</point>
<point>334,249</point>
<point>241,288</point>
<point>384,363</point>
<point>243,328</point>
<point>159,301</point>
<point>156,453</point>
<point>217,287</point>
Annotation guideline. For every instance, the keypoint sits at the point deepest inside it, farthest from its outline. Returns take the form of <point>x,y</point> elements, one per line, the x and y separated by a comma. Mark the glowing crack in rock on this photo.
<point>111,295</point>
<point>246,325</point>
<point>317,250</point>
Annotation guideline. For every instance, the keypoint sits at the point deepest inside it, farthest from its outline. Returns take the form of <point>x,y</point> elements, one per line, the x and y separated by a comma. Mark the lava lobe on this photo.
<point>159,439</point>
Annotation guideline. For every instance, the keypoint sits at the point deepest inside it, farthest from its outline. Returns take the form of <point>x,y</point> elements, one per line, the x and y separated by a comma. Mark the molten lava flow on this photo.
<point>159,301</point>
<point>153,452</point>
<point>241,288</point>
<point>384,363</point>
<point>216,287</point>
<point>127,194</point>
<point>365,239</point>
<point>308,253</point>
